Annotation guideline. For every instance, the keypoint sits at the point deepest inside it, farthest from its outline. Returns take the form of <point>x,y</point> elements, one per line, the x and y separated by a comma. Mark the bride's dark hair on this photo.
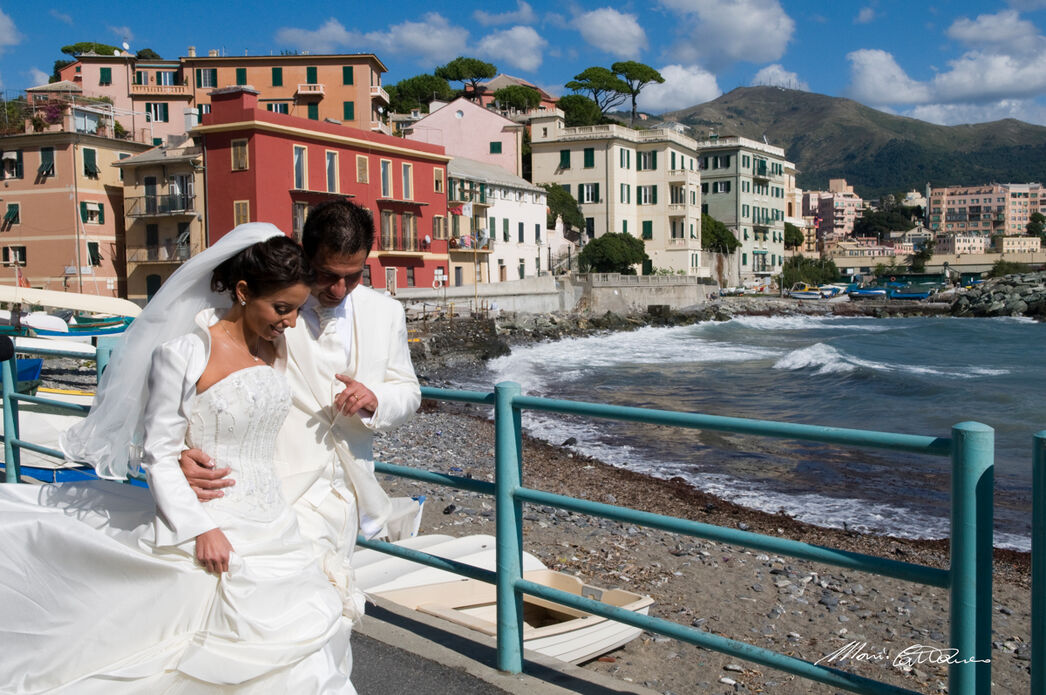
<point>266,267</point>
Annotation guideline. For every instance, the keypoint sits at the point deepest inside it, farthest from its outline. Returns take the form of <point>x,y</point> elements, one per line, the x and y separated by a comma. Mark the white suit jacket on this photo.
<point>318,449</point>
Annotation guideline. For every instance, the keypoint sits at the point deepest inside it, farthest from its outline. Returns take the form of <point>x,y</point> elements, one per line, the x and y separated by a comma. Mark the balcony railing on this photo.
<point>155,205</point>
<point>309,90</point>
<point>685,176</point>
<point>160,253</point>
<point>166,90</point>
<point>377,92</point>
<point>380,127</point>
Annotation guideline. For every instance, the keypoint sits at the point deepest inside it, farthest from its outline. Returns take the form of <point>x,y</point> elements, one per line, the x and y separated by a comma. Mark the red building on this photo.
<point>264,166</point>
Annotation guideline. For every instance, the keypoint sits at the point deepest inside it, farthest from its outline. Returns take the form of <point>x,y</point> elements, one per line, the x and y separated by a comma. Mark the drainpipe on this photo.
<point>77,228</point>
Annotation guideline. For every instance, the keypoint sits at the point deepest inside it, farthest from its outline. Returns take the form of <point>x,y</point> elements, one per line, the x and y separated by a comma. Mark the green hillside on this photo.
<point>876,152</point>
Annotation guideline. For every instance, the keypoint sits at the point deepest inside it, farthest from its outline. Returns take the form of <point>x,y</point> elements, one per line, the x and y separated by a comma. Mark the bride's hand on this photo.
<point>212,551</point>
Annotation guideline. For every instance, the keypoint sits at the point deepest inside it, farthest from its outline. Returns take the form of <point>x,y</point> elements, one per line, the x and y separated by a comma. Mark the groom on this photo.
<point>349,348</point>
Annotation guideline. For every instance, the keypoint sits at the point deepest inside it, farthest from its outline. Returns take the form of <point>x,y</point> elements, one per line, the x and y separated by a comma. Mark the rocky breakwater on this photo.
<point>1013,295</point>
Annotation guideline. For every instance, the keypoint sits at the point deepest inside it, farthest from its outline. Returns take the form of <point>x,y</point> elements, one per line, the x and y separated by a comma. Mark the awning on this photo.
<point>13,156</point>
<point>12,214</point>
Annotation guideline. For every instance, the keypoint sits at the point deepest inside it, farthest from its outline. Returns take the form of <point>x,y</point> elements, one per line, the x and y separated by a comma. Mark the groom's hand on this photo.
<point>355,398</point>
<point>204,479</point>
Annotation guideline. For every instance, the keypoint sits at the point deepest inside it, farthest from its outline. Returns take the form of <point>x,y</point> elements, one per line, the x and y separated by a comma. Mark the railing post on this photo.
<point>1038,563</point>
<point>12,469</point>
<point>104,351</point>
<point>973,475</point>
<point>509,531</point>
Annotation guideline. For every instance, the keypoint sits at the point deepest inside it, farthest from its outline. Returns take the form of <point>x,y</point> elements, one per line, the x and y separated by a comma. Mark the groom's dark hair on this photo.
<point>338,226</point>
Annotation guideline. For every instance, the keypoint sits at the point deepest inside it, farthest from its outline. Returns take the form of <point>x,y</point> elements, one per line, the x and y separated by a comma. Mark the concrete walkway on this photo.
<point>397,651</point>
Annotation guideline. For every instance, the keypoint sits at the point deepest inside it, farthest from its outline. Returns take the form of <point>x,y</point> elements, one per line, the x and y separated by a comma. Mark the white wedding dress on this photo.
<point>90,602</point>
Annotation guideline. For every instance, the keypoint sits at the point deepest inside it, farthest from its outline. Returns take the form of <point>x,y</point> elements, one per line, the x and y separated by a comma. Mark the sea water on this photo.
<point>909,375</point>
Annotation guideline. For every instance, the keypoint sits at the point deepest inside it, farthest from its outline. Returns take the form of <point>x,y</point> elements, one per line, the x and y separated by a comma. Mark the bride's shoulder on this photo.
<point>187,349</point>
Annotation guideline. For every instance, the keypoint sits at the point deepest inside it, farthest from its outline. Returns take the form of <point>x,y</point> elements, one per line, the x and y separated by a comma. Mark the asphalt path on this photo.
<point>381,669</point>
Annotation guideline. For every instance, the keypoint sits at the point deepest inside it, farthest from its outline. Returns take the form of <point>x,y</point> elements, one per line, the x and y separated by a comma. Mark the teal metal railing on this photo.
<point>968,578</point>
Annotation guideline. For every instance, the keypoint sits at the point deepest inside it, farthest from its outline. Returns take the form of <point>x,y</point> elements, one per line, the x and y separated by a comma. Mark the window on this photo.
<point>624,226</point>
<point>299,163</point>
<point>14,255</point>
<point>203,109</point>
<point>346,74</point>
<point>105,76</point>
<point>588,193</point>
<point>46,161</point>
<point>410,276</point>
<point>673,165</point>
<point>165,77</point>
<point>646,195</point>
<point>386,178</point>
<point>495,147</point>
<point>278,107</point>
<point>590,157</point>
<point>239,155</point>
<point>590,227</point>
<point>564,159</point>
<point>241,212</point>
<point>12,216</point>
<point>648,229</point>
<point>12,165</point>
<point>625,158</point>
<point>141,77</point>
<point>362,175</point>
<point>520,238</point>
<point>313,111</point>
<point>122,156</point>
<point>310,75</point>
<point>646,161</point>
<point>92,213</point>
<point>522,270</point>
<point>94,255</point>
<point>504,229</point>
<point>277,77</point>
<point>437,180</point>
<point>91,163</point>
<point>241,76</point>
<point>439,227</point>
<point>409,227</point>
<point>388,230</point>
<point>207,77</point>
<point>537,232</point>
<point>156,112</point>
<point>408,175</point>
<point>348,111</point>
<point>332,172</point>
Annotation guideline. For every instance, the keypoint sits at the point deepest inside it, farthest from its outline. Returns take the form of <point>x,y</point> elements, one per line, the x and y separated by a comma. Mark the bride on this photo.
<point>105,590</point>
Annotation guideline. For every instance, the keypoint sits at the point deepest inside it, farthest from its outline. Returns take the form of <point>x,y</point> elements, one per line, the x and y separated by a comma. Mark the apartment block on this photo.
<point>265,166</point>
<point>744,185</point>
<point>163,212</point>
<point>497,224</point>
<point>155,99</point>
<point>62,204</point>
<point>467,130</point>
<point>834,211</point>
<point>640,182</point>
<point>997,208</point>
<point>956,244</point>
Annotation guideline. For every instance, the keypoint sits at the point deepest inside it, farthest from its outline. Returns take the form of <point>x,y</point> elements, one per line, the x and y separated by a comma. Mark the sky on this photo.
<point>945,61</point>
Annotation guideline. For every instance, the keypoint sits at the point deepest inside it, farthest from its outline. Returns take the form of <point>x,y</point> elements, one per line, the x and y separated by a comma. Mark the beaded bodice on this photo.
<point>236,422</point>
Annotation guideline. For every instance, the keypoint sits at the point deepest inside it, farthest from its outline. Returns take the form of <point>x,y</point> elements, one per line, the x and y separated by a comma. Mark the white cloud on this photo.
<point>986,76</point>
<point>61,17</point>
<point>432,40</point>
<point>952,114</point>
<point>776,76</point>
<point>876,78</point>
<point>524,14</point>
<point>1004,31</point>
<point>38,77</point>
<point>613,32</point>
<point>520,47</point>
<point>9,34</point>
<point>123,33</point>
<point>718,33</point>
<point>684,85</point>
<point>866,15</point>
<point>1027,4</point>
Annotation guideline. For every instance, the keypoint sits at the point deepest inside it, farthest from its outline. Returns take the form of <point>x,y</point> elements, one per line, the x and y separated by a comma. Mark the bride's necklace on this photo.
<point>242,346</point>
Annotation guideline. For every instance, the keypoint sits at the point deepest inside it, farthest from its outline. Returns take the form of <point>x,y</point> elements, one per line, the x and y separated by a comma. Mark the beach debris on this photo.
<point>449,509</point>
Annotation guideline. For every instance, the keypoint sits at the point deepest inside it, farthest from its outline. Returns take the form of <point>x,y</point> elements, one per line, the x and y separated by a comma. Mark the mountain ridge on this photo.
<point>876,152</point>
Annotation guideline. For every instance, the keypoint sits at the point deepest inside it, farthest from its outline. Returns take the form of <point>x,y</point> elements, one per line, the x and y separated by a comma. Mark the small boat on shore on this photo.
<point>802,290</point>
<point>549,628</point>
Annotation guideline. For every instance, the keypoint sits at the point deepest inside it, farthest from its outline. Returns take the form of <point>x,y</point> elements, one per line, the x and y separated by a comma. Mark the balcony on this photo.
<point>160,253</point>
<point>465,244</point>
<point>684,176</point>
<point>380,127</point>
<point>161,90</point>
<point>309,90</point>
<point>409,243</point>
<point>377,92</point>
<point>160,205</point>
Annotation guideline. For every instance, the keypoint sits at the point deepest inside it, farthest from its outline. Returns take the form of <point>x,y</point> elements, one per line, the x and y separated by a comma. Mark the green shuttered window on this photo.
<point>348,111</point>
<point>346,74</point>
<point>277,77</point>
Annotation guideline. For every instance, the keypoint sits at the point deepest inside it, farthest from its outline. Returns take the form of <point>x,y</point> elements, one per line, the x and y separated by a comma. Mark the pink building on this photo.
<point>996,208</point>
<point>487,89</point>
<point>834,211</point>
<point>465,129</point>
<point>959,243</point>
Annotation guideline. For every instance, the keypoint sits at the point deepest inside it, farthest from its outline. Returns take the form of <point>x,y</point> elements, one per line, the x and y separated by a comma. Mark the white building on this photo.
<point>639,182</point>
<point>507,221</point>
<point>744,185</point>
